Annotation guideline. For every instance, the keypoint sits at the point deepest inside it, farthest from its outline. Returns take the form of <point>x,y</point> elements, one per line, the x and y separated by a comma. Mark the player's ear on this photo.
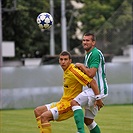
<point>94,42</point>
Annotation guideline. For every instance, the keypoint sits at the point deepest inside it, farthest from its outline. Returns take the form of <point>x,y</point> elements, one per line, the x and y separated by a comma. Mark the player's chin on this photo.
<point>85,47</point>
<point>63,67</point>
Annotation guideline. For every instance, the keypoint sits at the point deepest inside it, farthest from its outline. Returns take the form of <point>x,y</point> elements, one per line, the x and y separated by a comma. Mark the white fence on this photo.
<point>28,87</point>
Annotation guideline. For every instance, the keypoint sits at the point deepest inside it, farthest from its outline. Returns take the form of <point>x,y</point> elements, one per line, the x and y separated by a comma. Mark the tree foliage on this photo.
<point>110,20</point>
<point>19,24</point>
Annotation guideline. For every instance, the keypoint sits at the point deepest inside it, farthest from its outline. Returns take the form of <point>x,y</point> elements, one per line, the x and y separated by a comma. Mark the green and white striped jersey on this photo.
<point>95,59</point>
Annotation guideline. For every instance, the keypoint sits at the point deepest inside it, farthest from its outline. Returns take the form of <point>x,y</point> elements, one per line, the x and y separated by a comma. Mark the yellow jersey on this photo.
<point>74,80</point>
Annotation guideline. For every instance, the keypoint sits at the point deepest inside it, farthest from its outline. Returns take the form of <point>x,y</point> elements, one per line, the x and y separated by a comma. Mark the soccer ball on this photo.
<point>44,21</point>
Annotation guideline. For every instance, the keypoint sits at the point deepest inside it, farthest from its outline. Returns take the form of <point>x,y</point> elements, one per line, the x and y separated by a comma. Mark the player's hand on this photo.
<point>78,65</point>
<point>99,103</point>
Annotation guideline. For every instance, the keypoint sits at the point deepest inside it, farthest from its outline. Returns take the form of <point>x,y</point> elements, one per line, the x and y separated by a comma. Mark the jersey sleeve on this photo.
<point>95,60</point>
<point>80,76</point>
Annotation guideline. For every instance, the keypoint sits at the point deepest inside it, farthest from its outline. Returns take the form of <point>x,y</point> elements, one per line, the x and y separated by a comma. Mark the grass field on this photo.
<point>111,119</point>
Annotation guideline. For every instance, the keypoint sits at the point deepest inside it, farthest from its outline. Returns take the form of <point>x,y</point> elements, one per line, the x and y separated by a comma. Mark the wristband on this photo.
<point>97,97</point>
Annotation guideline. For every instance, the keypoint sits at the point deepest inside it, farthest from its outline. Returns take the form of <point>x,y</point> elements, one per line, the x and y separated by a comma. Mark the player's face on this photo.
<point>88,43</point>
<point>64,61</point>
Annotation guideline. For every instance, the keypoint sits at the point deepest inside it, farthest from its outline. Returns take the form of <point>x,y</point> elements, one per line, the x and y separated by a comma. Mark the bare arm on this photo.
<point>95,89</point>
<point>91,72</point>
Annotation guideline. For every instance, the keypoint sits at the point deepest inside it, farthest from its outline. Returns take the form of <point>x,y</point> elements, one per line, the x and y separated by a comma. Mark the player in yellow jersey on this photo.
<point>74,80</point>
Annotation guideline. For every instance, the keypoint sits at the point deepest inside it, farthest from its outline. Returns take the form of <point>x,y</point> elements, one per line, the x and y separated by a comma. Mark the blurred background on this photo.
<point>30,74</point>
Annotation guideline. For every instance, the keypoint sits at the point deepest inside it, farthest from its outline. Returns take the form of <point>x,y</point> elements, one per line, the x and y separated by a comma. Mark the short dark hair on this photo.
<point>90,34</point>
<point>63,53</point>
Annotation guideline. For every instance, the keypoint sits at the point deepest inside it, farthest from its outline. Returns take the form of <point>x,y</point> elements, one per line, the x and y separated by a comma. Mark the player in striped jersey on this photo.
<point>74,80</point>
<point>94,67</point>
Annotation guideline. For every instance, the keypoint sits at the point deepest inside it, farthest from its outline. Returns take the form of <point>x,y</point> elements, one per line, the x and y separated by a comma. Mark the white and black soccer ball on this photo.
<point>44,21</point>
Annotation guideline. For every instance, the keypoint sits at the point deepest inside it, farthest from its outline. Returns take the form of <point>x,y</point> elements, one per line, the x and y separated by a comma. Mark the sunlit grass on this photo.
<point>111,119</point>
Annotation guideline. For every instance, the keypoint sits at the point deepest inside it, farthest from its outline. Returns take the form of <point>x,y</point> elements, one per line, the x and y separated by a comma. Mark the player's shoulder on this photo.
<point>74,69</point>
<point>72,66</point>
<point>96,51</point>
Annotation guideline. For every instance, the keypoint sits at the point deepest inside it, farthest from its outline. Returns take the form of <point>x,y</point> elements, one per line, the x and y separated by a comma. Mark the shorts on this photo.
<point>61,110</point>
<point>86,99</point>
